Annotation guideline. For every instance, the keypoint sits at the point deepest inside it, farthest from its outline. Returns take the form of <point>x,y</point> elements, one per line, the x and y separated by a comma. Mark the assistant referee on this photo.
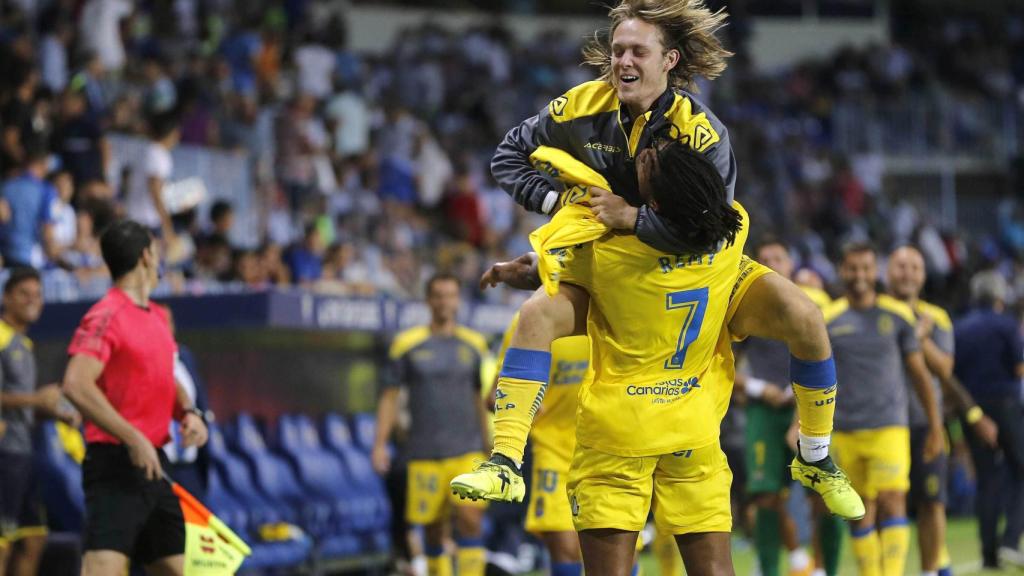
<point>121,378</point>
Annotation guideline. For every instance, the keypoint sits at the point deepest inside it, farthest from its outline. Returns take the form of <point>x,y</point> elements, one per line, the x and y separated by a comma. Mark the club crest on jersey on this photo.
<point>558,105</point>
<point>885,325</point>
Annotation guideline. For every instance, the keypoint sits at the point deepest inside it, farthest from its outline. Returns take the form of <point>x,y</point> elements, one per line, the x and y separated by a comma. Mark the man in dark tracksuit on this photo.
<point>990,363</point>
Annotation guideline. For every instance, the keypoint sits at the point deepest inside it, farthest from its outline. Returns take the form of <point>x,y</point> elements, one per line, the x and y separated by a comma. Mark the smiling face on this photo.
<point>640,64</point>
<point>859,272</point>
<point>906,273</point>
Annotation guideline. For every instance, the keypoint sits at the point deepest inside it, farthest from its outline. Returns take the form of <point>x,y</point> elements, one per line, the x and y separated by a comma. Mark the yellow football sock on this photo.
<point>867,550</point>
<point>520,391</point>
<point>944,560</point>
<point>816,407</point>
<point>667,553</point>
<point>895,538</point>
<point>471,560</point>
<point>440,565</point>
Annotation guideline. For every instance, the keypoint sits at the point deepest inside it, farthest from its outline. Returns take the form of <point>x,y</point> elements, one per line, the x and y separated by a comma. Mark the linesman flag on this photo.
<point>211,548</point>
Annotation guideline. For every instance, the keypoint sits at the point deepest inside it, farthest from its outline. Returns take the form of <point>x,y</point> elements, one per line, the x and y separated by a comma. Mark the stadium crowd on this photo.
<point>371,170</point>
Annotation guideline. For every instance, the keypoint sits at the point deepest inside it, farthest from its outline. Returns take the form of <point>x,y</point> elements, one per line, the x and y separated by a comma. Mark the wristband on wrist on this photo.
<point>755,387</point>
<point>549,202</point>
<point>974,415</point>
<point>196,411</point>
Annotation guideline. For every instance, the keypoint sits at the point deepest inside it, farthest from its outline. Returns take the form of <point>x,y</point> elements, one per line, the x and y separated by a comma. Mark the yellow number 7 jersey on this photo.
<point>659,347</point>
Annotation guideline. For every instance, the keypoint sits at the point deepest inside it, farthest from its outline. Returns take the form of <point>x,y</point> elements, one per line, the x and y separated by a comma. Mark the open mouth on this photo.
<point>628,78</point>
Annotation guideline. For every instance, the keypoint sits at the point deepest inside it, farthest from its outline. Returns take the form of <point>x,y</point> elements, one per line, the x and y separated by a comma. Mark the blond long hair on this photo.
<point>686,25</point>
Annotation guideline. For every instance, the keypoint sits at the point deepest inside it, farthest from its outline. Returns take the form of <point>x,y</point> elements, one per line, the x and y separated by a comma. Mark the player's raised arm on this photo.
<point>511,163</point>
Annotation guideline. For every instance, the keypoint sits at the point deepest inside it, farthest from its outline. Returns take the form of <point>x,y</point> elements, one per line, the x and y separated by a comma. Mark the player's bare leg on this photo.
<point>775,308</point>
<point>608,551</point>
<point>471,557</point>
<point>169,566</point>
<point>520,390</point>
<point>28,553</point>
<point>706,554</point>
<point>104,563</point>
<point>564,547</point>
<point>931,533</point>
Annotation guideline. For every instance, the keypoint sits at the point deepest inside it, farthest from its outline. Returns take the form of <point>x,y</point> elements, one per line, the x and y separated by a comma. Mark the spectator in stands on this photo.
<point>31,200</point>
<point>295,151</point>
<point>53,54</point>
<point>144,197</point>
<point>213,258</point>
<point>100,31</point>
<point>989,361</point>
<point>439,364</point>
<point>84,255</point>
<point>222,218</point>
<point>22,519</point>
<point>121,377</point>
<point>248,270</point>
<point>305,260</point>
<point>79,140</point>
<point>63,211</point>
<point>17,118</point>
<point>160,95</point>
<point>349,120</point>
<point>464,210</point>
<point>273,265</point>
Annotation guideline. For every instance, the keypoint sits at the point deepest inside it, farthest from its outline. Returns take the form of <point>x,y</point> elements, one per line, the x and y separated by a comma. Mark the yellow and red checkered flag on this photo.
<point>211,548</point>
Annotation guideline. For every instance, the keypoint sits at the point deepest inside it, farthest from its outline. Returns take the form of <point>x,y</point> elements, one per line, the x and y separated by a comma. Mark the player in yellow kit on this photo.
<point>648,426</point>
<point>553,438</point>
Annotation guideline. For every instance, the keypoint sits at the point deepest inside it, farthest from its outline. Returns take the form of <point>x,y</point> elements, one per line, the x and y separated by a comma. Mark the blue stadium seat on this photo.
<point>337,438</point>
<point>60,480</point>
<point>324,471</point>
<point>288,554</point>
<point>238,479</point>
<point>276,479</point>
<point>364,428</point>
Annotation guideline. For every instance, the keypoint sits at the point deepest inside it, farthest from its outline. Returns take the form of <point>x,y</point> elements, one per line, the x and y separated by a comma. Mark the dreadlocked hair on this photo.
<point>686,25</point>
<point>691,194</point>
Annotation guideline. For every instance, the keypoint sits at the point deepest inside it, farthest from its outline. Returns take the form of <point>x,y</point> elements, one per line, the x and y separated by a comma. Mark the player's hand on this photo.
<point>193,430</point>
<point>924,327</point>
<point>143,455</point>
<point>520,273</point>
<point>612,210</point>
<point>69,416</point>
<point>48,399</point>
<point>792,435</point>
<point>381,459</point>
<point>934,444</point>
<point>777,397</point>
<point>986,431</point>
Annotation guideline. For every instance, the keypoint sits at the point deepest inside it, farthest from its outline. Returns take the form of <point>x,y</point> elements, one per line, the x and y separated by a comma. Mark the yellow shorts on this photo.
<point>876,460</point>
<point>750,271</point>
<point>427,490</point>
<point>549,502</point>
<point>689,490</point>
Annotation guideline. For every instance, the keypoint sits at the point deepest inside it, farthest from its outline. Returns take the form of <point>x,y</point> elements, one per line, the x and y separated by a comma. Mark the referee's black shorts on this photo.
<point>126,513</point>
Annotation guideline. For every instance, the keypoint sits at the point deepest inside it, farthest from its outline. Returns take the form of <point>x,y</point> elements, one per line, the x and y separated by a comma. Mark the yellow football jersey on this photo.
<point>554,428</point>
<point>659,347</point>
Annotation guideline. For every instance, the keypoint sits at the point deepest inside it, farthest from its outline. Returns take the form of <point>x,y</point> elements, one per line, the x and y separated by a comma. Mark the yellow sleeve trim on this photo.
<point>901,309</point>
<point>474,339</point>
<point>6,335</point>
<point>940,316</point>
<point>818,296</point>
<point>693,129</point>
<point>407,340</point>
<point>29,532</point>
<point>835,309</point>
<point>586,99</point>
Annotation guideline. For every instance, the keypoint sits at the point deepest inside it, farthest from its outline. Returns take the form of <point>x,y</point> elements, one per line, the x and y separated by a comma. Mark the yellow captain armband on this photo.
<point>974,415</point>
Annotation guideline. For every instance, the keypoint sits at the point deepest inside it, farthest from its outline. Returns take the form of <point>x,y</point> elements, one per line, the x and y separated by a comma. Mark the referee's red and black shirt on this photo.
<point>135,345</point>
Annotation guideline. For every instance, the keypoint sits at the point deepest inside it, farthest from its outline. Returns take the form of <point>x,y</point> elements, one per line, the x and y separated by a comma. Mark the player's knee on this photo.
<point>769,500</point>
<point>468,525</point>
<point>892,504</point>
<point>543,319</point>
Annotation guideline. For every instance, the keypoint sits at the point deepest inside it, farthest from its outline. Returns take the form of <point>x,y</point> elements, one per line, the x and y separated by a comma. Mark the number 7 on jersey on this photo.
<point>692,304</point>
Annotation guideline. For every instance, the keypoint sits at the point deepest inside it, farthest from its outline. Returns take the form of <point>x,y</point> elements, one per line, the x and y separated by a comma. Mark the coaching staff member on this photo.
<point>121,378</point>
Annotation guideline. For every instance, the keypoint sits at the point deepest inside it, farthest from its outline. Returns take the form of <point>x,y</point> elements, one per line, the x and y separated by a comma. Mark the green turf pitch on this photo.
<point>962,538</point>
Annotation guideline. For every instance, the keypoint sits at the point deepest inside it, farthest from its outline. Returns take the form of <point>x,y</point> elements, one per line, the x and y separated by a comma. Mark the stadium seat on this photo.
<point>287,554</point>
<point>367,510</point>
<point>364,428</point>
<point>60,480</point>
<point>238,479</point>
<point>337,438</point>
<point>276,480</point>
